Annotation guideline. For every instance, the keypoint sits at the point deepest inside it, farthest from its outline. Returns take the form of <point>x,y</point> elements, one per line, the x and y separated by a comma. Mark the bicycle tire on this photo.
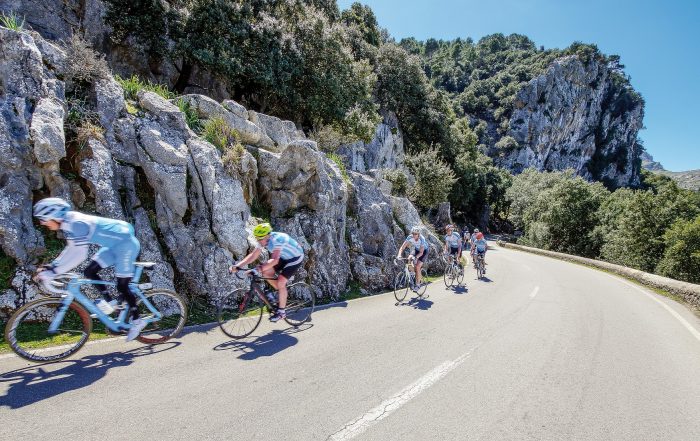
<point>174,315</point>
<point>239,314</point>
<point>31,340</point>
<point>400,286</point>
<point>424,282</point>
<point>448,275</point>
<point>460,275</point>
<point>301,301</point>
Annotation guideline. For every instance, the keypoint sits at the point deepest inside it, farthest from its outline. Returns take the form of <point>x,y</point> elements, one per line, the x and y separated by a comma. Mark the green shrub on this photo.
<point>507,143</point>
<point>434,178</point>
<point>399,181</point>
<point>341,165</point>
<point>232,160</point>
<point>11,21</point>
<point>681,259</point>
<point>134,84</point>
<point>7,270</point>
<point>191,116</point>
<point>218,133</point>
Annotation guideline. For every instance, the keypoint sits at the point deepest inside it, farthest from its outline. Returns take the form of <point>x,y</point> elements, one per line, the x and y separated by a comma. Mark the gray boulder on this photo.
<point>281,132</point>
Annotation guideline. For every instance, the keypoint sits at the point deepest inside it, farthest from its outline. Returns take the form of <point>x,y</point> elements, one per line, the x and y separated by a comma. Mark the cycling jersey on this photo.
<point>453,240</point>
<point>481,245</point>
<point>417,243</point>
<point>119,245</point>
<point>290,250</point>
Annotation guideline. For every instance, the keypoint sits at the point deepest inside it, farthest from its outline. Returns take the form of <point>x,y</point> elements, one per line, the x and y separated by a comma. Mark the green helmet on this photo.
<point>262,230</point>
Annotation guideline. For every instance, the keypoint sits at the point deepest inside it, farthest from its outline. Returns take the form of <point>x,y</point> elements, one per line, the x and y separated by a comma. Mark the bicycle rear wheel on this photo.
<point>239,314</point>
<point>174,315</point>
<point>400,286</point>
<point>27,331</point>
<point>301,301</point>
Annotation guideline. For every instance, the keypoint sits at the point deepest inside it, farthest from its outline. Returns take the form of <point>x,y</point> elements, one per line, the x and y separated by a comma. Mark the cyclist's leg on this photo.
<point>285,273</point>
<point>419,265</point>
<point>124,268</point>
<point>91,272</point>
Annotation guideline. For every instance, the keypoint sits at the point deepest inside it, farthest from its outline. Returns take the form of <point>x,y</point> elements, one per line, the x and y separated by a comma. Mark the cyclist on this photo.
<point>465,237</point>
<point>286,256</point>
<point>480,246</point>
<point>119,248</point>
<point>472,241</point>
<point>419,252</point>
<point>454,241</point>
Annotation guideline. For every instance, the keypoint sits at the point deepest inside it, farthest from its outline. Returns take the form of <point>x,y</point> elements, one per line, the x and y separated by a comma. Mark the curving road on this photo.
<point>542,350</point>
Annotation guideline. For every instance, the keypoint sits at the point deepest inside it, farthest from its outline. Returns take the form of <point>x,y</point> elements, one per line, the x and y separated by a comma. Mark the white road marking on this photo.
<point>534,292</point>
<point>383,410</point>
<point>678,317</point>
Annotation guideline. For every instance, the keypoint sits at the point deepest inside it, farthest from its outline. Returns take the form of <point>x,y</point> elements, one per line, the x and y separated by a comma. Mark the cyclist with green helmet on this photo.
<point>286,257</point>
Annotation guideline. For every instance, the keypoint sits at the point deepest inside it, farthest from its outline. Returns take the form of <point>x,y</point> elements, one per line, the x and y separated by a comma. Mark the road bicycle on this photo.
<point>480,265</point>
<point>240,313</point>
<point>55,327</point>
<point>454,272</point>
<point>405,279</point>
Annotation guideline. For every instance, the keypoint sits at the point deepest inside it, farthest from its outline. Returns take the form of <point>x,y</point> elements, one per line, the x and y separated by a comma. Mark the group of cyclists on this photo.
<point>119,247</point>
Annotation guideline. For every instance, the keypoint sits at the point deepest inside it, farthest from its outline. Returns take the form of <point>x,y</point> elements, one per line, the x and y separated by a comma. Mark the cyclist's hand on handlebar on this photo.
<point>232,269</point>
<point>44,276</point>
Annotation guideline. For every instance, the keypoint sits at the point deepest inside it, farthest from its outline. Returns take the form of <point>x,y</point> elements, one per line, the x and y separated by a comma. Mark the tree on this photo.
<point>434,178</point>
<point>681,258</point>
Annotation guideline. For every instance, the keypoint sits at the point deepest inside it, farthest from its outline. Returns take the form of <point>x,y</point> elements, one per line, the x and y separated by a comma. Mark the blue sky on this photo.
<point>658,42</point>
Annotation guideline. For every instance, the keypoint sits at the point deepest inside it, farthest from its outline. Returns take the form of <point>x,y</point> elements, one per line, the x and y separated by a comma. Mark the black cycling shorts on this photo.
<point>287,267</point>
<point>423,257</point>
<point>454,250</point>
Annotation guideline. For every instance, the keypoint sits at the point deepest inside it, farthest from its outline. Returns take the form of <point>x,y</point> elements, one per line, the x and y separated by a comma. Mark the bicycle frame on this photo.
<point>72,293</point>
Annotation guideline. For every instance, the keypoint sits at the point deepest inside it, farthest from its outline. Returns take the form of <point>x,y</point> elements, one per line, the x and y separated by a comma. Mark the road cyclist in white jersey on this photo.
<point>453,244</point>
<point>119,248</point>
<point>286,257</point>
<point>419,253</point>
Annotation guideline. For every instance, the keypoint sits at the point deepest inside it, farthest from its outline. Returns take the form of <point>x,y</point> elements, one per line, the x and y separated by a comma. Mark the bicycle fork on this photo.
<point>58,319</point>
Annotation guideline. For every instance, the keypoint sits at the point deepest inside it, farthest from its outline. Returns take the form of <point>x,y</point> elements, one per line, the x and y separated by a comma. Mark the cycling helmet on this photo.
<point>476,230</point>
<point>415,229</point>
<point>450,226</point>
<point>262,230</point>
<point>479,236</point>
<point>51,209</point>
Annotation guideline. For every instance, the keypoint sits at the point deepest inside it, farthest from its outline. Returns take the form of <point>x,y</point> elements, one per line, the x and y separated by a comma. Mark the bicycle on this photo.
<point>53,328</point>
<point>240,313</point>
<point>404,280</point>
<point>480,267</point>
<point>453,271</point>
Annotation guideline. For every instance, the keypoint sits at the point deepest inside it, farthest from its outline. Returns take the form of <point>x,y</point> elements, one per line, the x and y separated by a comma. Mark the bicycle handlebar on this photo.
<point>58,281</point>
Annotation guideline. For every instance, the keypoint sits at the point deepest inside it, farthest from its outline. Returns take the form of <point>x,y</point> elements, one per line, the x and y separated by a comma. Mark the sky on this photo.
<point>658,42</point>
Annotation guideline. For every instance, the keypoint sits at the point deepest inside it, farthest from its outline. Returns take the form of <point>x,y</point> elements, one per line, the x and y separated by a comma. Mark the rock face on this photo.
<point>190,209</point>
<point>574,116</point>
<point>384,151</point>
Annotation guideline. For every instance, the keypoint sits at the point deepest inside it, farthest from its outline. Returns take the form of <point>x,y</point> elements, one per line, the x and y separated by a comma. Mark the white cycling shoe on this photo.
<point>136,328</point>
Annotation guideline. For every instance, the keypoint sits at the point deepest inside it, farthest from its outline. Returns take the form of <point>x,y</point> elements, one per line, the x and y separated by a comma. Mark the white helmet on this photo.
<point>51,209</point>
<point>415,229</point>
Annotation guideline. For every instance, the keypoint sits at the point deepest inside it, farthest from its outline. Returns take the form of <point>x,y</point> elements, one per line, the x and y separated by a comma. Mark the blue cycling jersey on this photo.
<point>417,243</point>
<point>289,248</point>
<point>119,245</point>
<point>481,245</point>
<point>453,240</point>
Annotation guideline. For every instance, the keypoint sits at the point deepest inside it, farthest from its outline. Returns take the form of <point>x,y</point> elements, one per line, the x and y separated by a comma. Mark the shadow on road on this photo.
<point>264,346</point>
<point>460,289</point>
<point>421,303</point>
<point>39,382</point>
<point>485,279</point>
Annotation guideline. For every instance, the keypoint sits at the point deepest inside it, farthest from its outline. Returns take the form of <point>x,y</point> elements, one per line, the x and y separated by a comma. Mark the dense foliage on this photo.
<point>654,229</point>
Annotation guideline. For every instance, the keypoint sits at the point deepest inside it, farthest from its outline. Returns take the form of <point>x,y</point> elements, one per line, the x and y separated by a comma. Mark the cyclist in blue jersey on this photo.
<point>119,248</point>
<point>454,241</point>
<point>419,252</point>
<point>286,257</point>
<point>480,246</point>
<point>472,241</point>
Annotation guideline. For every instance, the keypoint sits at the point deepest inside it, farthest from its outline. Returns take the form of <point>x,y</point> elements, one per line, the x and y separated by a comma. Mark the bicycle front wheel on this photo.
<point>449,275</point>
<point>424,282</point>
<point>174,315</point>
<point>301,301</point>
<point>400,286</point>
<point>27,331</point>
<point>239,314</point>
<point>460,274</point>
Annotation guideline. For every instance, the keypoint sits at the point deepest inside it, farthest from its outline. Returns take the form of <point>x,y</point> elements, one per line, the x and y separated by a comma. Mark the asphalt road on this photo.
<point>541,350</point>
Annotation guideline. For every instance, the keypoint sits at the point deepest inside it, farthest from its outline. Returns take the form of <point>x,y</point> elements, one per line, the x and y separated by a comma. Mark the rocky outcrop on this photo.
<point>384,151</point>
<point>575,116</point>
<point>190,208</point>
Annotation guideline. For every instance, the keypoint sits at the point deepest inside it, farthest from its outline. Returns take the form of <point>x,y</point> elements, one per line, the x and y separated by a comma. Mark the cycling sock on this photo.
<point>91,273</point>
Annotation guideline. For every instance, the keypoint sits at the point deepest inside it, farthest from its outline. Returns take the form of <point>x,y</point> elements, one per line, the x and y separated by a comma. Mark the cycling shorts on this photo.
<point>287,267</point>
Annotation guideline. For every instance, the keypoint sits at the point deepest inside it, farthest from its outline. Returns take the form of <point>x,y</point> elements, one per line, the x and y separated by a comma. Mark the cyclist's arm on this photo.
<point>403,247</point>
<point>419,254</point>
<point>71,256</point>
<point>247,259</point>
